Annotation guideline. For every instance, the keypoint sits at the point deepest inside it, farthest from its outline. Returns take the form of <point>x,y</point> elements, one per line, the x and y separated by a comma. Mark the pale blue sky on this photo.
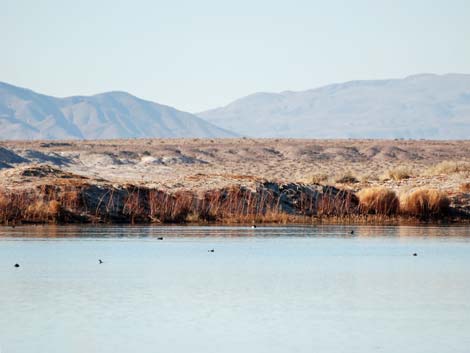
<point>200,54</point>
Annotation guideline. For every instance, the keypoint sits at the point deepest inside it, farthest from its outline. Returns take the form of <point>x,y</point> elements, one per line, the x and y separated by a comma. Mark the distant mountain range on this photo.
<point>25,114</point>
<point>421,106</point>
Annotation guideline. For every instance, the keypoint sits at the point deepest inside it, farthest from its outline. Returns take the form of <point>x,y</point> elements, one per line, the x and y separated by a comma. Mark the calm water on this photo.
<point>283,289</point>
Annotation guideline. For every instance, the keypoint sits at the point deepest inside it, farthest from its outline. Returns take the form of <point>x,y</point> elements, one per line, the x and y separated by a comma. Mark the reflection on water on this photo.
<point>126,231</point>
<point>270,289</point>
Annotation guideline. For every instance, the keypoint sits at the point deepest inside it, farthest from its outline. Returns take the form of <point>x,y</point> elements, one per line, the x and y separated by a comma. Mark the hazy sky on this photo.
<point>200,54</point>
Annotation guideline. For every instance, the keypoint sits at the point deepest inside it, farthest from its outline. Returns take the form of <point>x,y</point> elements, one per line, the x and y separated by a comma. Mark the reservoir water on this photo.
<point>270,289</point>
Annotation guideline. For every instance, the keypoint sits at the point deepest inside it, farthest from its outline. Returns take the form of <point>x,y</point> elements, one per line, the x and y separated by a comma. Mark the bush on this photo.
<point>449,167</point>
<point>399,173</point>
<point>318,178</point>
<point>346,178</point>
<point>425,203</point>
<point>378,200</point>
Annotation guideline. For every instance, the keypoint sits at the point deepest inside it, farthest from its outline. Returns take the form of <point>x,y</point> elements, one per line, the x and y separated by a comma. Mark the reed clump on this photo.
<point>268,203</point>
<point>425,203</point>
<point>43,211</point>
<point>340,203</point>
<point>378,201</point>
<point>11,207</point>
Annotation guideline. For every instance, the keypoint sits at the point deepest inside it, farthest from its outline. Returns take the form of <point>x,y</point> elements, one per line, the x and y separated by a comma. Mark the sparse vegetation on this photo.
<point>346,178</point>
<point>194,180</point>
<point>448,167</point>
<point>378,200</point>
<point>367,178</point>
<point>71,201</point>
<point>319,178</point>
<point>398,173</point>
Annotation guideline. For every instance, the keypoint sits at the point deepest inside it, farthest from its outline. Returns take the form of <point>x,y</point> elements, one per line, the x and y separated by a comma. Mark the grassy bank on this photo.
<point>77,201</point>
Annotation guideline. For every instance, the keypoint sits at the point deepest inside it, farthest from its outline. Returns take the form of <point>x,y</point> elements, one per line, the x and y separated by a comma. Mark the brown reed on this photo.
<point>425,203</point>
<point>378,200</point>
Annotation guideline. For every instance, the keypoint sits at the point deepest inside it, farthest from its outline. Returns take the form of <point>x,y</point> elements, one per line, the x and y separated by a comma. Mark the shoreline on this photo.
<point>57,197</point>
<point>235,181</point>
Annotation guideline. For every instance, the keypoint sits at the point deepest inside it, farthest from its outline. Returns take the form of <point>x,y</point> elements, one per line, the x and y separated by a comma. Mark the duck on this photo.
<point>211,250</point>
<point>100,261</point>
<point>17,265</point>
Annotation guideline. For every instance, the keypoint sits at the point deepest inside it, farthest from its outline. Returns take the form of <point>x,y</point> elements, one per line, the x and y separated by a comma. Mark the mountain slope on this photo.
<point>25,114</point>
<point>420,106</point>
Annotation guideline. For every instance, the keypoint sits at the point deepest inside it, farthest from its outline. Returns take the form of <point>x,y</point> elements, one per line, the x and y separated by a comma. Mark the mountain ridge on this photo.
<point>417,106</point>
<point>26,114</point>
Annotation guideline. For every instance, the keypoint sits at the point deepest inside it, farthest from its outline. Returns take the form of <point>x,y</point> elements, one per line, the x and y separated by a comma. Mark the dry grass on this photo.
<point>465,187</point>
<point>43,211</point>
<point>367,178</point>
<point>319,178</point>
<point>425,203</point>
<point>398,173</point>
<point>448,167</point>
<point>134,204</point>
<point>10,208</point>
<point>346,178</point>
<point>378,200</point>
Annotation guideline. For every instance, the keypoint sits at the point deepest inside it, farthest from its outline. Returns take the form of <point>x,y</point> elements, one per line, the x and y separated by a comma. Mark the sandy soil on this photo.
<point>176,164</point>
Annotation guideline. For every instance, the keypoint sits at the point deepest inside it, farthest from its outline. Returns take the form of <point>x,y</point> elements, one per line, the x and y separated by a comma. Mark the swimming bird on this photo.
<point>17,265</point>
<point>211,250</point>
<point>100,261</point>
<point>415,254</point>
<point>352,232</point>
<point>160,238</point>
<point>253,226</point>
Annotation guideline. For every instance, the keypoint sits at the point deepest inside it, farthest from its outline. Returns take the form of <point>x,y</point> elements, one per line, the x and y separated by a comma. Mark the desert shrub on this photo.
<point>425,203</point>
<point>365,178</point>
<point>465,187</point>
<point>346,178</point>
<point>399,173</point>
<point>318,178</point>
<point>378,200</point>
<point>448,167</point>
